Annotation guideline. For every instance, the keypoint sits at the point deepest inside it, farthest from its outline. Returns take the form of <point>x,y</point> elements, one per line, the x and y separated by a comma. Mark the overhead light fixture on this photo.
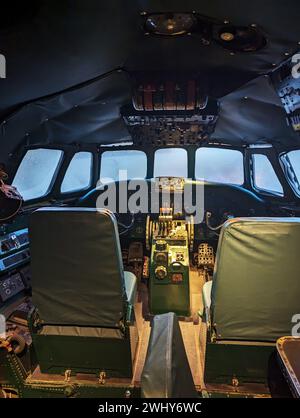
<point>241,38</point>
<point>170,24</point>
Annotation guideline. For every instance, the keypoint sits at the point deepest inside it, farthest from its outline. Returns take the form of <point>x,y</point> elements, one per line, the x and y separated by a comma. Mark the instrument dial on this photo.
<point>161,258</point>
<point>161,272</point>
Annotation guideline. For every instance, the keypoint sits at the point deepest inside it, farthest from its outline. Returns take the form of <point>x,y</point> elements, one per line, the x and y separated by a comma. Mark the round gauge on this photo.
<point>161,258</point>
<point>161,272</point>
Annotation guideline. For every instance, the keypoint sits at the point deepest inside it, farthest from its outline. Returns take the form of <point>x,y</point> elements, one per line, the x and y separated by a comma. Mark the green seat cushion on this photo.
<point>73,331</point>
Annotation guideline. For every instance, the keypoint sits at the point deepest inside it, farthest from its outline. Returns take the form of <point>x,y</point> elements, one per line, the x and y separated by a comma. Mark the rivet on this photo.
<point>274,65</point>
<point>147,33</point>
<point>286,54</point>
<point>253,25</point>
<point>189,33</point>
<point>232,53</point>
<point>194,12</point>
<point>245,97</point>
<point>4,122</point>
<point>226,22</point>
<point>143,13</point>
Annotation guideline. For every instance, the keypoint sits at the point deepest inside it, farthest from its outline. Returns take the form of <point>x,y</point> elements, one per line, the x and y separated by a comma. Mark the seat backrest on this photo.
<point>256,284</point>
<point>77,269</point>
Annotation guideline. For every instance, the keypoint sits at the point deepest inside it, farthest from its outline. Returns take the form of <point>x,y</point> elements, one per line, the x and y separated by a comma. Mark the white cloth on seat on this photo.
<point>206,294</point>
<point>130,286</point>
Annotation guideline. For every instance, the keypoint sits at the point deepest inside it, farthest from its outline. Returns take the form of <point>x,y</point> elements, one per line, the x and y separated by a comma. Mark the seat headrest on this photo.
<point>77,270</point>
<point>256,288</point>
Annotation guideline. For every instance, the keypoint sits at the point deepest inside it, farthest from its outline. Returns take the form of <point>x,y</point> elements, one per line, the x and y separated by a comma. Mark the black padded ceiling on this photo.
<point>57,45</point>
<point>254,114</point>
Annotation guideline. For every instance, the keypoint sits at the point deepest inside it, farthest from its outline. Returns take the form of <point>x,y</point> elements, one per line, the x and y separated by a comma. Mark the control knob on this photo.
<point>161,272</point>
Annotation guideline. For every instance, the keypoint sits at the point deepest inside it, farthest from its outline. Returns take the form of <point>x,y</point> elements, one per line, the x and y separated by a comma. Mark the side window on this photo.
<point>117,164</point>
<point>37,172</point>
<point>264,176</point>
<point>292,161</point>
<point>219,165</point>
<point>170,162</point>
<point>79,173</point>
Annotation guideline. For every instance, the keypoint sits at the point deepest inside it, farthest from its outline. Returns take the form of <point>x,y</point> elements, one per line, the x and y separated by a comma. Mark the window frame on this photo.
<point>283,163</point>
<point>121,148</point>
<point>69,150</point>
<point>229,148</point>
<point>75,191</point>
<point>269,153</point>
<point>55,174</point>
<point>175,147</point>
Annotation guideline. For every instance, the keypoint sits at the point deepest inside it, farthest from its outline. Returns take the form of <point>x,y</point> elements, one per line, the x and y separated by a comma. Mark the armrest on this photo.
<point>34,322</point>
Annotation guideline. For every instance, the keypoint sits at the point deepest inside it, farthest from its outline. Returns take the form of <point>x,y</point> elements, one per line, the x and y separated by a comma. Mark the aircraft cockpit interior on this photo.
<point>150,199</point>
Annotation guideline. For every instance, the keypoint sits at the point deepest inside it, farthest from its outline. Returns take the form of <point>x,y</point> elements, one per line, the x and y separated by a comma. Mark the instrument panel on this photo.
<point>14,260</point>
<point>11,286</point>
<point>14,249</point>
<point>173,184</point>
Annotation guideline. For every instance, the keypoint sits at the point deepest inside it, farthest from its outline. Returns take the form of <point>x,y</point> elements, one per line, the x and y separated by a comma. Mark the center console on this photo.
<point>169,265</point>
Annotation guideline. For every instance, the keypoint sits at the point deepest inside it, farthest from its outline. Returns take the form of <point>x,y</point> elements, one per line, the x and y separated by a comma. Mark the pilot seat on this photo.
<point>252,298</point>
<point>83,318</point>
